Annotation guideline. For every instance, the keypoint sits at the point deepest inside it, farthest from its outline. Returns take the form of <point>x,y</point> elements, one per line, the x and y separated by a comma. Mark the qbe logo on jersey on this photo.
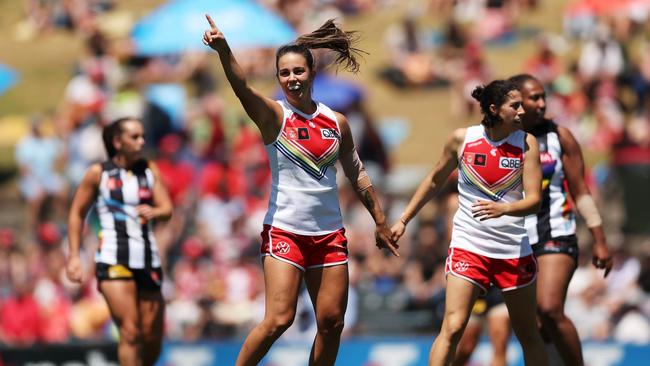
<point>509,163</point>
<point>329,134</point>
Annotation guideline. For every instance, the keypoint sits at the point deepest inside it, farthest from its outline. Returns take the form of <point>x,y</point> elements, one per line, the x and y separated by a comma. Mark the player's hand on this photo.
<point>146,212</point>
<point>73,269</point>
<point>383,237</point>
<point>213,37</point>
<point>397,230</point>
<point>602,259</point>
<point>484,210</point>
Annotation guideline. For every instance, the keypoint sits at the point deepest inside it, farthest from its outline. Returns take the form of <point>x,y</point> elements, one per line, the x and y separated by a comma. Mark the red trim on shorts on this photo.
<point>506,274</point>
<point>529,282</point>
<point>275,256</point>
<point>305,251</point>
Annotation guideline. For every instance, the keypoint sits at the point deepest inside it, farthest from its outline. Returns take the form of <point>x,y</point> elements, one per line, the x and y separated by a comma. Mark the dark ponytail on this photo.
<point>495,93</point>
<point>328,36</point>
<point>110,131</point>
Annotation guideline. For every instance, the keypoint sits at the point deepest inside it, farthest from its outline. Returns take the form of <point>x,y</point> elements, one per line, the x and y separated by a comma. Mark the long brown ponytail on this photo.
<point>328,36</point>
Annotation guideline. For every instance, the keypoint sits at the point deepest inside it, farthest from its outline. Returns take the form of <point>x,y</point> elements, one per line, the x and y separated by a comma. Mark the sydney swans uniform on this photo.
<point>494,250</point>
<point>303,225</point>
<point>127,248</point>
<point>552,229</point>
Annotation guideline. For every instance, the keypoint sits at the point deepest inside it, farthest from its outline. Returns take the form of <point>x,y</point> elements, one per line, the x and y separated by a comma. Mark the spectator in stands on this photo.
<point>39,158</point>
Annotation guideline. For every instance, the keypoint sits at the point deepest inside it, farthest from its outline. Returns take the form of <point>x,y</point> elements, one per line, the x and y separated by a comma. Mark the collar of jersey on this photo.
<point>304,115</point>
<point>498,142</point>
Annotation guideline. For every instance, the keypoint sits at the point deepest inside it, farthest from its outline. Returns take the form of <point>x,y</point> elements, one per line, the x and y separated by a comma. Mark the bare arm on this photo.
<point>356,174</point>
<point>83,199</point>
<point>266,113</point>
<point>574,169</point>
<point>532,182</point>
<point>162,203</point>
<point>433,182</point>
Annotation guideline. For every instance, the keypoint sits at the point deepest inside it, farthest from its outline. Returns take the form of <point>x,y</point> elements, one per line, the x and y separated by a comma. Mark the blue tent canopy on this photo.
<point>178,26</point>
<point>8,78</point>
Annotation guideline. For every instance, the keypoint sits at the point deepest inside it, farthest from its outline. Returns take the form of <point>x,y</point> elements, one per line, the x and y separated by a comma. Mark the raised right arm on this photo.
<point>266,113</point>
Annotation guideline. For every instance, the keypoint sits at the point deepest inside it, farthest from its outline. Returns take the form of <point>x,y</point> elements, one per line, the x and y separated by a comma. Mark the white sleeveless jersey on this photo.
<point>555,217</point>
<point>304,196</point>
<point>490,170</point>
<point>124,238</point>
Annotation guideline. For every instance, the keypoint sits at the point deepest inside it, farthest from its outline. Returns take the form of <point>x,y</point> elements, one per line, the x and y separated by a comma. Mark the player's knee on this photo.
<point>330,323</point>
<point>129,331</point>
<point>550,312</point>
<point>454,326</point>
<point>278,323</point>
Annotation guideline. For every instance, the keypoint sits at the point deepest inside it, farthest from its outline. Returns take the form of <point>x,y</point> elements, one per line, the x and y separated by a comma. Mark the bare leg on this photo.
<point>522,307</point>
<point>282,281</point>
<point>468,341</point>
<point>499,331</point>
<point>555,272</point>
<point>328,289</point>
<point>121,298</point>
<point>460,296</point>
<point>152,314</point>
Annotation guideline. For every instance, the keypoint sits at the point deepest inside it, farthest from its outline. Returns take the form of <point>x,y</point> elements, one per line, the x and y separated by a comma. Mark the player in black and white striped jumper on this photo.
<point>552,230</point>
<point>129,196</point>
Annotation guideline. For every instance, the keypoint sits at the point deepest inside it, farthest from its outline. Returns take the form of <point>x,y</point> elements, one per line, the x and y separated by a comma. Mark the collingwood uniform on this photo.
<point>126,242</point>
<point>554,225</point>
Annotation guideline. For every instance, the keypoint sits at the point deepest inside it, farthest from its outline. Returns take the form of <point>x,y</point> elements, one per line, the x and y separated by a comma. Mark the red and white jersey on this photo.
<point>304,196</point>
<point>490,170</point>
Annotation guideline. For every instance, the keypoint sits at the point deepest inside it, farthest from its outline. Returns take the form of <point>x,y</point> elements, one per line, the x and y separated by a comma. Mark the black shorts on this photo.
<point>487,301</point>
<point>145,279</point>
<point>564,245</point>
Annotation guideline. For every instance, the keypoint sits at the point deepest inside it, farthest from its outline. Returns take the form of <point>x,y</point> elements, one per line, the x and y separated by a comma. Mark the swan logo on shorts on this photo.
<point>509,163</point>
<point>461,266</point>
<point>282,247</point>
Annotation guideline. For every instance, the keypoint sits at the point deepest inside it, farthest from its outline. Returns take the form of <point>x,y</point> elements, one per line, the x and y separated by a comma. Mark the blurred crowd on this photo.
<point>212,160</point>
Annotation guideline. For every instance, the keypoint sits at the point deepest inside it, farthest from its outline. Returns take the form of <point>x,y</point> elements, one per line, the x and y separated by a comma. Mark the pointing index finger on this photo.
<point>209,18</point>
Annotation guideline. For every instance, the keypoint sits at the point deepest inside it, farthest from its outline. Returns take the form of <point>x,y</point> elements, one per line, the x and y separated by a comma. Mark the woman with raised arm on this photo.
<point>129,195</point>
<point>552,230</point>
<point>303,234</point>
<point>499,182</point>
